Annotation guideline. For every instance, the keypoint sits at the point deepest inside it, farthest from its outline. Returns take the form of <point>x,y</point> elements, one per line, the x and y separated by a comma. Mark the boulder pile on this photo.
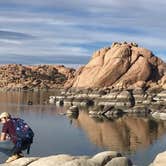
<point>108,101</point>
<point>19,77</point>
<point>107,158</point>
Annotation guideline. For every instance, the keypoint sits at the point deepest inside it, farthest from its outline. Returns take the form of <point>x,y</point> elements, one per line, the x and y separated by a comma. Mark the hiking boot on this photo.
<point>12,158</point>
<point>21,155</point>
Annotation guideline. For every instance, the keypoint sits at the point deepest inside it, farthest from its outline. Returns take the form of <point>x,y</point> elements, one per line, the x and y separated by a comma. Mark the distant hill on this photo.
<point>15,76</point>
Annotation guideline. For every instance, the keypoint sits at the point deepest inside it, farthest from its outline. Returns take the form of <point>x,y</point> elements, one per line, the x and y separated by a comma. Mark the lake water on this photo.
<point>139,138</point>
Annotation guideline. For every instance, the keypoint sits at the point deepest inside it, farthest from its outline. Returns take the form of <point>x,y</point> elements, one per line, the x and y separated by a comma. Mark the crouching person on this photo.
<point>15,131</point>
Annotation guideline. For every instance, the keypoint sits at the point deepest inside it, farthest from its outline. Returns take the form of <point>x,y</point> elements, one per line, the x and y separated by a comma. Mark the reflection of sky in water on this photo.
<point>144,156</point>
<point>54,133</point>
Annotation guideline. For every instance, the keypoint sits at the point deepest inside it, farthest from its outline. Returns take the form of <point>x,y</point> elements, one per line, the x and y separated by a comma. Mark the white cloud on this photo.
<point>68,26</point>
<point>7,41</point>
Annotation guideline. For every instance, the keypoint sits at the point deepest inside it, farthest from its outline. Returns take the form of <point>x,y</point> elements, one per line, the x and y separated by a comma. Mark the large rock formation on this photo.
<point>123,65</point>
<point>16,77</point>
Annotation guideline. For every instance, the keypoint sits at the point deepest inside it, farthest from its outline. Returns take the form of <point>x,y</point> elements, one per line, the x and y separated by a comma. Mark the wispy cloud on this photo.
<point>59,28</point>
<point>14,35</point>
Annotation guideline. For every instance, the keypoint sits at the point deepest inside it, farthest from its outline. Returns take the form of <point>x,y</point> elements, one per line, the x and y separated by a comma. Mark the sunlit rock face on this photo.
<point>159,160</point>
<point>106,158</point>
<point>123,134</point>
<point>123,65</point>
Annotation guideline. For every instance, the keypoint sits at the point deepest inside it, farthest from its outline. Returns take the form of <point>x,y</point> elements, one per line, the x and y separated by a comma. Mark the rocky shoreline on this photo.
<point>113,103</point>
<point>106,158</point>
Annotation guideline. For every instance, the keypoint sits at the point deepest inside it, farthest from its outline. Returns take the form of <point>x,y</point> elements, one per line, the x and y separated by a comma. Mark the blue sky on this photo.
<point>68,32</point>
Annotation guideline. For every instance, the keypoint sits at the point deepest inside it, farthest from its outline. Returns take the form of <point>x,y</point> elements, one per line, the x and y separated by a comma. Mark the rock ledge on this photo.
<point>107,158</point>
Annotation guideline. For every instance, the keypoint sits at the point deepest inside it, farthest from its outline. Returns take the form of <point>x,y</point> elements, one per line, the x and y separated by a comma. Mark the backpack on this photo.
<point>24,134</point>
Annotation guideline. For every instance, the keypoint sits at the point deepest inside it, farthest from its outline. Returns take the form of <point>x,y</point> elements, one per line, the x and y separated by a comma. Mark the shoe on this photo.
<point>12,158</point>
<point>21,155</point>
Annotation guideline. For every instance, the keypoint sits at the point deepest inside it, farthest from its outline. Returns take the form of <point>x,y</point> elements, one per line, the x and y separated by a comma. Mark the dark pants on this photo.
<point>7,148</point>
<point>20,146</point>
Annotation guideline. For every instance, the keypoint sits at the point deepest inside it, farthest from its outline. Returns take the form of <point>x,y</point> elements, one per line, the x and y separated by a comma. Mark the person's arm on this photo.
<point>4,132</point>
<point>3,136</point>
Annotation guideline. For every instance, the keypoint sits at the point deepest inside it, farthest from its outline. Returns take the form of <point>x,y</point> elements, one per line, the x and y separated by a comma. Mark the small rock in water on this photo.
<point>61,102</point>
<point>30,102</point>
<point>158,115</point>
<point>73,110</point>
<point>52,99</point>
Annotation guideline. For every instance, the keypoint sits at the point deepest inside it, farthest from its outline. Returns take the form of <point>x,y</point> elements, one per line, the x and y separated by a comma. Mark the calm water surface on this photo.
<point>139,138</point>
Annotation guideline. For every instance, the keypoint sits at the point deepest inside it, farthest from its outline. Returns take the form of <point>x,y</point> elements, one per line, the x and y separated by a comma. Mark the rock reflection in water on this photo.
<point>126,134</point>
<point>17,102</point>
<point>40,97</point>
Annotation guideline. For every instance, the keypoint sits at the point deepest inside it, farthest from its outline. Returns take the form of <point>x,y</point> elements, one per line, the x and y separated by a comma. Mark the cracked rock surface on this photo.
<point>100,159</point>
